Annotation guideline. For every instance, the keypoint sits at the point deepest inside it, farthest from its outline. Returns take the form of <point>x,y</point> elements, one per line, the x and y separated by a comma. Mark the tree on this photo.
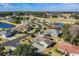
<point>76,16</point>
<point>34,19</point>
<point>66,33</point>
<point>54,16</point>
<point>77,23</point>
<point>74,32</point>
<point>24,50</point>
<point>27,18</point>
<point>71,34</point>
<point>2,53</point>
<point>17,19</point>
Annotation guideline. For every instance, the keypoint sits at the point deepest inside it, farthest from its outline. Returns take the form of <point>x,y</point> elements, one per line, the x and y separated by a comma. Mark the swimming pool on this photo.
<point>6,25</point>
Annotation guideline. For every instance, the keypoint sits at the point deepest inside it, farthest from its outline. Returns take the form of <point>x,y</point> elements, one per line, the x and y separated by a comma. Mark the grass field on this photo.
<point>4,21</point>
<point>66,21</point>
<point>2,40</point>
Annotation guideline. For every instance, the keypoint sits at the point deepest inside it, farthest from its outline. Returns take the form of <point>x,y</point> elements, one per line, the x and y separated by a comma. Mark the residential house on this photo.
<point>24,22</point>
<point>68,48</point>
<point>56,25</point>
<point>66,16</point>
<point>49,15</point>
<point>53,32</point>
<point>9,19</point>
<point>8,33</point>
<point>22,28</point>
<point>41,42</point>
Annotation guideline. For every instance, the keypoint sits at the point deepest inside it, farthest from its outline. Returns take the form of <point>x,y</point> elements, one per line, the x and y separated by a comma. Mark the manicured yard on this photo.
<point>52,51</point>
<point>66,21</point>
<point>23,41</point>
<point>7,48</point>
<point>2,40</point>
<point>18,35</point>
<point>26,41</point>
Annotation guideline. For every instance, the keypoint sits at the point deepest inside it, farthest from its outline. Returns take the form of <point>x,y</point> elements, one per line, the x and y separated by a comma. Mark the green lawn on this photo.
<point>2,40</point>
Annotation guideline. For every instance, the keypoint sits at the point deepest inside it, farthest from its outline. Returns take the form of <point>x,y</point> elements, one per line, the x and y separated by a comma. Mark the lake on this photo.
<point>6,25</point>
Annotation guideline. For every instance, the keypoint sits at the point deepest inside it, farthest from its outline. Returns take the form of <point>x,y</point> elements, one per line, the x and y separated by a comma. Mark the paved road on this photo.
<point>14,42</point>
<point>40,26</point>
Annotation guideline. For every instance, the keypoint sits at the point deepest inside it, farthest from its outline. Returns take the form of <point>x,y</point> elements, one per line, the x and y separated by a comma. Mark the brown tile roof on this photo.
<point>54,27</point>
<point>69,48</point>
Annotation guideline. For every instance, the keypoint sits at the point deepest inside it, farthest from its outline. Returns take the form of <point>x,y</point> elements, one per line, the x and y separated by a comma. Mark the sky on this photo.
<point>70,7</point>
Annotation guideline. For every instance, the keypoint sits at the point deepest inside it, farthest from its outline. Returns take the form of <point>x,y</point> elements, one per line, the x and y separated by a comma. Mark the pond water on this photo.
<point>6,25</point>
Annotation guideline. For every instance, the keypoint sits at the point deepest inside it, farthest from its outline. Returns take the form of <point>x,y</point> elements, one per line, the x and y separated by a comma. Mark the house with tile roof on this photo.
<point>72,50</point>
<point>56,26</point>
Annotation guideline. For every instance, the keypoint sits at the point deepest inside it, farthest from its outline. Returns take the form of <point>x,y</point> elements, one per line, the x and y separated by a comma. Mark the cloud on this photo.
<point>5,5</point>
<point>39,6</point>
<point>70,6</point>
